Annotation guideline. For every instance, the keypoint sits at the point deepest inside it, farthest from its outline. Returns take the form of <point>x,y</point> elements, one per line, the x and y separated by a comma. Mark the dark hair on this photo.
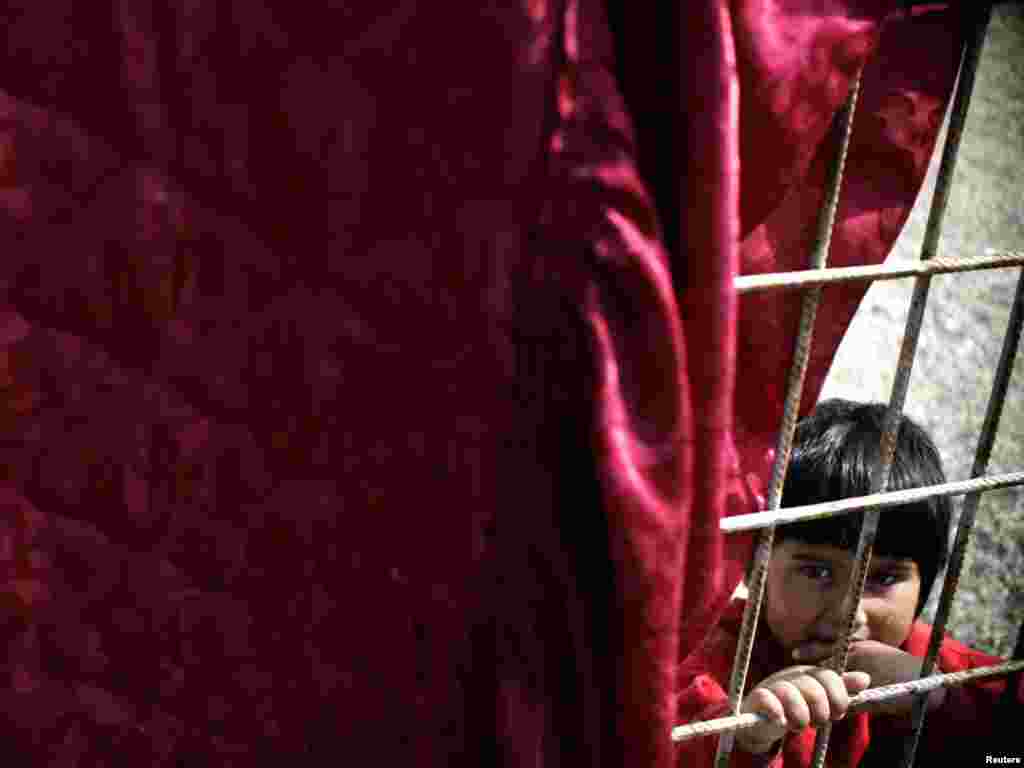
<point>835,450</point>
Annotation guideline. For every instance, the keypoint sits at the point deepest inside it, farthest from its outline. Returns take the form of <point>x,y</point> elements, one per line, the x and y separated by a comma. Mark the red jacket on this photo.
<point>968,712</point>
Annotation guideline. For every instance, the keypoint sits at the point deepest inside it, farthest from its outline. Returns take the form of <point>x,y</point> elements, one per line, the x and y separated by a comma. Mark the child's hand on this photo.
<point>796,698</point>
<point>888,665</point>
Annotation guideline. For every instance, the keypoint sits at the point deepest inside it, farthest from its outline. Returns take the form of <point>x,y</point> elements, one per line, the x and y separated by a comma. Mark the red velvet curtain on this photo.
<point>371,381</point>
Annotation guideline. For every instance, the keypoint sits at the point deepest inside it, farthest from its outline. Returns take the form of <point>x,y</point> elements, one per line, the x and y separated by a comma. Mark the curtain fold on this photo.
<point>372,383</point>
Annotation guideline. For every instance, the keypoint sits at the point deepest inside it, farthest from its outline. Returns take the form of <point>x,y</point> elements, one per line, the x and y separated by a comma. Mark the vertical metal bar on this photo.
<point>989,429</point>
<point>791,407</point>
<point>879,480</point>
<point>880,477</point>
<point>957,122</point>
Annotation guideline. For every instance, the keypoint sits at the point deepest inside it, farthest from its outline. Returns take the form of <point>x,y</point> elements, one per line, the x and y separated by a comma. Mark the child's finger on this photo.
<point>856,682</point>
<point>816,697</point>
<point>798,714</point>
<point>760,738</point>
<point>835,689</point>
<point>764,702</point>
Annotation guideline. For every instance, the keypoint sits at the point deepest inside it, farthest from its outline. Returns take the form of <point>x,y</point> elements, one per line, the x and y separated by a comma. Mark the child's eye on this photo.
<point>883,579</point>
<point>816,572</point>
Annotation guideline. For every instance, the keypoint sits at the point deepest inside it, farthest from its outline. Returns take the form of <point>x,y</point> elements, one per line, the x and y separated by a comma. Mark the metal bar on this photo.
<point>862,700</point>
<point>986,440</point>
<point>791,407</point>
<point>880,479</point>
<point>755,520</point>
<point>896,271</point>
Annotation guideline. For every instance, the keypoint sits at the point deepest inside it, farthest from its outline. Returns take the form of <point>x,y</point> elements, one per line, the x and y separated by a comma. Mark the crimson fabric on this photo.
<point>368,372</point>
<point>968,713</point>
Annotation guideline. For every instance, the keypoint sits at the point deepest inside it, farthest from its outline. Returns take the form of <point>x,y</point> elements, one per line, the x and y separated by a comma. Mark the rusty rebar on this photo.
<point>875,272</point>
<point>754,520</point>
<point>791,408</point>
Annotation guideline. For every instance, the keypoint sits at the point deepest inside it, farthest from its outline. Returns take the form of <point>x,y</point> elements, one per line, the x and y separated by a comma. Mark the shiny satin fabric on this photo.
<point>370,375</point>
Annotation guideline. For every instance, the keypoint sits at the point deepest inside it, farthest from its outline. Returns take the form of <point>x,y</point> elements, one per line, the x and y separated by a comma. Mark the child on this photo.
<point>835,451</point>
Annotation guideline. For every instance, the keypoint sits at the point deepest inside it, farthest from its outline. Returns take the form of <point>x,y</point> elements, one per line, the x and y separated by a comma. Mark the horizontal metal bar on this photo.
<point>862,700</point>
<point>889,499</point>
<point>935,266</point>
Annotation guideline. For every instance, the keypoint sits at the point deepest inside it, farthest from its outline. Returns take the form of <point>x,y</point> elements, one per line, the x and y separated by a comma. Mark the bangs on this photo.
<point>904,532</point>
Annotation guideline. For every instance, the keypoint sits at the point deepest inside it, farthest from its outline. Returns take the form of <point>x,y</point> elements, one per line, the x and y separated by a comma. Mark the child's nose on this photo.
<point>840,609</point>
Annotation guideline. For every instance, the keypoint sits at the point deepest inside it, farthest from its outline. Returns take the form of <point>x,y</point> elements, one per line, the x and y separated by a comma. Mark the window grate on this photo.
<point>811,282</point>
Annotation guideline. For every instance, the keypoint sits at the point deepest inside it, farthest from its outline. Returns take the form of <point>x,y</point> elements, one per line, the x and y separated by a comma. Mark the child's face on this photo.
<point>806,592</point>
